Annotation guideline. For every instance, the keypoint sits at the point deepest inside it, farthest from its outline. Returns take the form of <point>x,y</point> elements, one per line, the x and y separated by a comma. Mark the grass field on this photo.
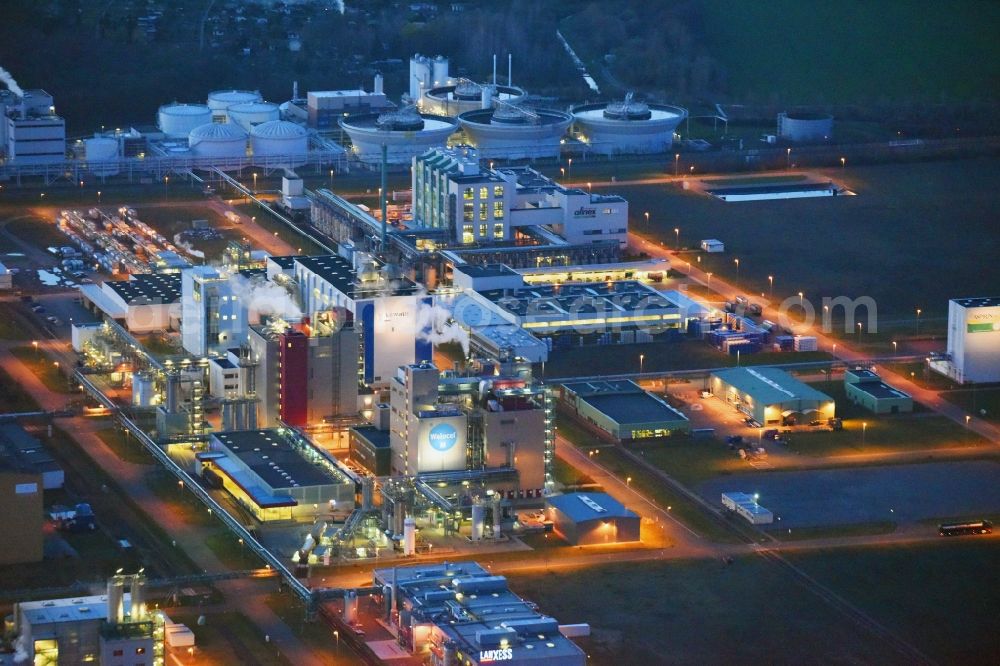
<point>13,398</point>
<point>125,446</point>
<point>699,612</point>
<point>981,403</point>
<point>40,233</point>
<point>225,638</point>
<point>941,598</point>
<point>657,357</point>
<point>916,235</point>
<point>11,329</point>
<point>49,374</point>
<point>853,52</point>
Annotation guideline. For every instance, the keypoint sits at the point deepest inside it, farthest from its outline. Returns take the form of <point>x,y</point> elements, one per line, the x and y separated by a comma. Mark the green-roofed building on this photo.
<point>771,396</point>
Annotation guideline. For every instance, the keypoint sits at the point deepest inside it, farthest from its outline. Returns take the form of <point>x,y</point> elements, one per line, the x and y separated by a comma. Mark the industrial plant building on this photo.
<point>276,474</point>
<point>28,454</point>
<point>460,613</point>
<point>473,205</point>
<point>867,389</point>
<point>22,521</point>
<point>401,134</point>
<point>304,373</point>
<point>801,127</point>
<point>973,352</point>
<point>511,132</point>
<point>592,519</point>
<point>115,629</point>
<point>770,396</point>
<point>497,426</point>
<point>622,411</point>
<point>32,133</point>
<point>143,303</point>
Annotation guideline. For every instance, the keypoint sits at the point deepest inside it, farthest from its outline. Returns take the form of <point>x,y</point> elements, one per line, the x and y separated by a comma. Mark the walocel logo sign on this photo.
<point>443,437</point>
<point>585,212</point>
<point>488,656</point>
<point>982,322</point>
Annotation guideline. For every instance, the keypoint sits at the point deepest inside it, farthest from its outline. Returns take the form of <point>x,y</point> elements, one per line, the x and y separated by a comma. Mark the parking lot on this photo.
<point>898,493</point>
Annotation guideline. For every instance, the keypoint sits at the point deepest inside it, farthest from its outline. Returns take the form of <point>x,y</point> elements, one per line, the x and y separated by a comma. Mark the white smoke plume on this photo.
<point>21,655</point>
<point>339,4</point>
<point>263,297</point>
<point>436,325</point>
<point>8,79</point>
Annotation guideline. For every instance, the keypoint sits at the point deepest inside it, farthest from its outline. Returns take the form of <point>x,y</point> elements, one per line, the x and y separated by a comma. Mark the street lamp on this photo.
<point>677,234</point>
<point>859,328</point>
<point>677,157</point>
<point>788,158</point>
<point>894,348</point>
<point>641,358</point>
<point>589,188</point>
<point>166,182</point>
<point>647,218</point>
<point>331,179</point>
<point>770,283</point>
<point>34,343</point>
<point>737,262</point>
<point>562,170</point>
<point>918,320</point>
<point>98,196</point>
<point>255,182</point>
<point>864,429</point>
<point>709,281</point>
<point>569,163</point>
<point>628,481</point>
<point>843,162</point>
<point>801,304</point>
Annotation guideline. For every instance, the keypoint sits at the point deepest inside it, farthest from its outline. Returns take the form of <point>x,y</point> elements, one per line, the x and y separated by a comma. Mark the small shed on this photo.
<point>713,245</point>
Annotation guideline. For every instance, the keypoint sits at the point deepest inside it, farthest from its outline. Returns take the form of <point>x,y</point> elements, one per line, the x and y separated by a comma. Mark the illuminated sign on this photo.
<point>443,437</point>
<point>585,212</point>
<point>488,656</point>
<point>982,322</point>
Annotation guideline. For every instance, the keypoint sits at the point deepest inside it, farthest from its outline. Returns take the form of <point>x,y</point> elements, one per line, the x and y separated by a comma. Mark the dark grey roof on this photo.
<point>590,506</point>
<point>148,288</point>
<point>879,390</point>
<point>332,268</point>
<point>629,408</point>
<point>978,302</point>
<point>485,270</point>
<point>583,298</point>
<point>284,262</point>
<point>273,458</point>
<point>377,438</point>
<point>24,451</point>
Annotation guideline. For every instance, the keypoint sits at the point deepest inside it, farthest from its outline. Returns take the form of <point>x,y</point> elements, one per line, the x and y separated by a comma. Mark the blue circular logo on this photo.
<point>443,437</point>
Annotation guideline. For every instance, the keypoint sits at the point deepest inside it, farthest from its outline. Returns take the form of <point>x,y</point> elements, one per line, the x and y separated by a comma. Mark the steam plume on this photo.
<point>436,325</point>
<point>6,77</point>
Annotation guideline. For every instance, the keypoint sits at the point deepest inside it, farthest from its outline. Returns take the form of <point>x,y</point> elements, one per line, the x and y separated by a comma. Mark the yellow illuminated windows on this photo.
<point>498,231</point>
<point>498,190</point>
<point>482,212</point>
<point>467,193</point>
<point>467,212</point>
<point>497,210</point>
<point>484,192</point>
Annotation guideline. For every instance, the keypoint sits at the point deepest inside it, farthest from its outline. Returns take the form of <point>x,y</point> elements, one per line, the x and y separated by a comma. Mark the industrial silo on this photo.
<point>421,71</point>
<point>440,70</point>
<point>514,132</point>
<point>404,133</point>
<point>177,120</point>
<point>219,101</point>
<point>279,142</point>
<point>805,127</point>
<point>249,114</point>
<point>102,155</point>
<point>218,140</point>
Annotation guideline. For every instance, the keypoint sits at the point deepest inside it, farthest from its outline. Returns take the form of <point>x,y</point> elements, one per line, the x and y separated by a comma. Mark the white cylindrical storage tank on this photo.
<point>143,389</point>
<point>379,84</point>
<point>420,76</point>
<point>409,536</point>
<point>804,127</point>
<point>217,140</point>
<point>177,120</point>
<point>478,518</point>
<point>440,69</point>
<point>220,100</point>
<point>251,114</point>
<point>279,142</point>
<point>102,155</point>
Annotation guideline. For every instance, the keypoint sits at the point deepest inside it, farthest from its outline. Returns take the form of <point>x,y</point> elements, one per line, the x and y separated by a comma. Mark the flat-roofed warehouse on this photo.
<point>771,396</point>
<point>277,474</point>
<point>587,519</point>
<point>623,410</point>
<point>867,389</point>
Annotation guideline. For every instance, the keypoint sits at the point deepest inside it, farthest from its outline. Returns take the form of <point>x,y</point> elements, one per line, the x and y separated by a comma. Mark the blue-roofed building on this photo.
<point>585,519</point>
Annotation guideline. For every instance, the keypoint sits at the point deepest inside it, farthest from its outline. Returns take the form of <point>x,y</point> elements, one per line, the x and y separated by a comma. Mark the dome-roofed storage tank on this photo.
<point>405,134</point>
<point>628,126</point>
<point>220,101</point>
<point>279,142</point>
<point>177,120</point>
<point>249,114</point>
<point>218,140</point>
<point>102,155</point>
